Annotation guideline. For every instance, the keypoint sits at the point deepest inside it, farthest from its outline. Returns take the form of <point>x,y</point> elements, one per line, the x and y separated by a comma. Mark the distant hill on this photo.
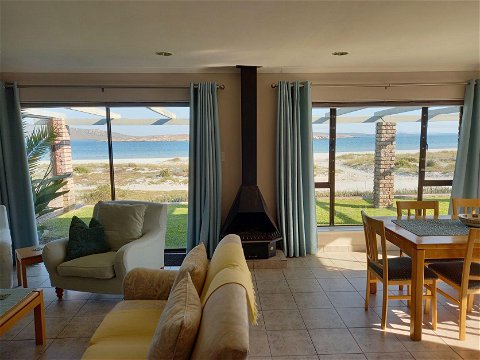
<point>101,135</point>
<point>325,136</point>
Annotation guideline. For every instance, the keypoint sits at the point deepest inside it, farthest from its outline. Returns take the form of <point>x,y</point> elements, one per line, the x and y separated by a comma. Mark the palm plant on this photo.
<point>45,185</point>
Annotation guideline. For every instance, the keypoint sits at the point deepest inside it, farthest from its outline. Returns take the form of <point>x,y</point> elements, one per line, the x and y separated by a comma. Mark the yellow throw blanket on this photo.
<point>228,266</point>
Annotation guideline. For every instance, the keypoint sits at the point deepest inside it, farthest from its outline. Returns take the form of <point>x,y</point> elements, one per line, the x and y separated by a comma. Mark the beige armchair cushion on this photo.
<point>196,264</point>
<point>97,266</point>
<point>178,325</point>
<point>123,223</point>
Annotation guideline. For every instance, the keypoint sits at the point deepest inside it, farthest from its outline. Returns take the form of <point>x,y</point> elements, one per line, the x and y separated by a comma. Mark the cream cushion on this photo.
<point>123,223</point>
<point>178,325</point>
<point>196,264</point>
<point>97,266</point>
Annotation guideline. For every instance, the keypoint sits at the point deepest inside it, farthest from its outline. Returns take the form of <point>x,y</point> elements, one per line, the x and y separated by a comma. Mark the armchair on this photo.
<point>104,273</point>
<point>6,259</point>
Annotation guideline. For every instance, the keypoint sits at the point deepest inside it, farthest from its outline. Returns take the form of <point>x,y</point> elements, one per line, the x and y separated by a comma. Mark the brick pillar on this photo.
<point>383,179</point>
<point>62,162</point>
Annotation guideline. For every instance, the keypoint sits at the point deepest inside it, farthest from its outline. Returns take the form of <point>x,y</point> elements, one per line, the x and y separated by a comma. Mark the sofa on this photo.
<point>6,258</point>
<point>128,330</point>
<point>104,272</point>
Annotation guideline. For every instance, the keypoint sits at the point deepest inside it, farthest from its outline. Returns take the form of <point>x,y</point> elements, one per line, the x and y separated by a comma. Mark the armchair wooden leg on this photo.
<point>59,293</point>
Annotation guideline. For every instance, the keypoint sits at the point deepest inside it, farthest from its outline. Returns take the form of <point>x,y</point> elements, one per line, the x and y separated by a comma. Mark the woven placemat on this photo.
<point>430,227</point>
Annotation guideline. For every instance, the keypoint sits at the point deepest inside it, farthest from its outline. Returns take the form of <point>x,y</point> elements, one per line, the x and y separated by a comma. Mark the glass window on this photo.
<point>150,156</point>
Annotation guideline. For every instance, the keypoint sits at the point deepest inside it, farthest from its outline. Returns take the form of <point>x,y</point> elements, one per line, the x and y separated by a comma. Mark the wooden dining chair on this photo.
<point>393,271</point>
<point>420,212</point>
<point>464,276</point>
<point>465,206</point>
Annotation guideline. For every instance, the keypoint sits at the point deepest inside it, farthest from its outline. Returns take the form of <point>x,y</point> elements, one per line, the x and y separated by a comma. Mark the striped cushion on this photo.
<point>400,268</point>
<point>453,272</point>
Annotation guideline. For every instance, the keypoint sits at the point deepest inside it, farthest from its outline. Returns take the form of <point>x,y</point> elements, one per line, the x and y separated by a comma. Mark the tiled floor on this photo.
<point>311,310</point>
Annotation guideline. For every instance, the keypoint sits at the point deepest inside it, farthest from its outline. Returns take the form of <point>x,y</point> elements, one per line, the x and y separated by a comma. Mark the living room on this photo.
<point>186,103</point>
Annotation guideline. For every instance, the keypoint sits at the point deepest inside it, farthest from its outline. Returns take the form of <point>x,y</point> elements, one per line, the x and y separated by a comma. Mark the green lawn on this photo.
<point>176,224</point>
<point>347,210</point>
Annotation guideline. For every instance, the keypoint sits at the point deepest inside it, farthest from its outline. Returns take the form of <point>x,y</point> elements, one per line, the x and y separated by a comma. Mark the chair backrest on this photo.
<point>373,228</point>
<point>420,208</point>
<point>470,256</point>
<point>465,206</point>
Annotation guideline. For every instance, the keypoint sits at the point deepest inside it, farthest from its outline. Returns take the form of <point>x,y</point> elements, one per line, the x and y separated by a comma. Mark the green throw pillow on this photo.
<point>85,240</point>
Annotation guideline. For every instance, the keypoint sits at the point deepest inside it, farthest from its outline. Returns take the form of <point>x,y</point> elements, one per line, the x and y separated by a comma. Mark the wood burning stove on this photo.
<point>249,216</point>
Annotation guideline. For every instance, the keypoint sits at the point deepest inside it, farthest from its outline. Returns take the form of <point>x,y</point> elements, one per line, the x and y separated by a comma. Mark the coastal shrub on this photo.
<point>81,170</point>
<point>431,163</point>
<point>165,172</point>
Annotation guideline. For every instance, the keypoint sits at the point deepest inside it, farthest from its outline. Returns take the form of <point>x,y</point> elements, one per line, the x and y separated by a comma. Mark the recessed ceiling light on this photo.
<point>163,53</point>
<point>340,53</point>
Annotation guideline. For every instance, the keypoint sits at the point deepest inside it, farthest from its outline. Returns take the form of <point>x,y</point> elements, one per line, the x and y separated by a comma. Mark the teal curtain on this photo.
<point>15,185</point>
<point>294,177</point>
<point>466,179</point>
<point>204,182</point>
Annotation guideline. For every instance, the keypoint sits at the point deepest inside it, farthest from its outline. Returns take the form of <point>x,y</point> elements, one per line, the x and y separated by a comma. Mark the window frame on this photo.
<point>332,153</point>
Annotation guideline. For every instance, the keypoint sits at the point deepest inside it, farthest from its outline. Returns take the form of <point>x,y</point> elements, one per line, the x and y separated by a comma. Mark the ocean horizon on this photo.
<point>98,150</point>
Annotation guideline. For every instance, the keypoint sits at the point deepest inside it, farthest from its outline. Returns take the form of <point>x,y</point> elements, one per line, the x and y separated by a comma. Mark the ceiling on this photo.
<point>282,36</point>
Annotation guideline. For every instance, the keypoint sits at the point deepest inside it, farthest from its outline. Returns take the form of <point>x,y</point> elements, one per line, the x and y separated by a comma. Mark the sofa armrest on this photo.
<point>54,254</point>
<point>148,284</point>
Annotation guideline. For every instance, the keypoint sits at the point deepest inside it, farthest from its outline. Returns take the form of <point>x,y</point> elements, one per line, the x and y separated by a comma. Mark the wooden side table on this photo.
<point>27,256</point>
<point>18,303</point>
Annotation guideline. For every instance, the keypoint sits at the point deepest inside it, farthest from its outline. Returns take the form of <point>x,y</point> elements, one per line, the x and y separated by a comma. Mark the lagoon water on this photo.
<point>97,150</point>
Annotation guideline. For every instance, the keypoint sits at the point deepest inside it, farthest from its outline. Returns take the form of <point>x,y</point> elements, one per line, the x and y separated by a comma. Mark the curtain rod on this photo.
<point>386,86</point>
<point>103,87</point>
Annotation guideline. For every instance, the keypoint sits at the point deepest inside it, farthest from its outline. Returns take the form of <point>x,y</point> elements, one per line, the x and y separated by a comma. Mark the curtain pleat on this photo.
<point>204,183</point>
<point>294,175</point>
<point>466,179</point>
<point>15,183</point>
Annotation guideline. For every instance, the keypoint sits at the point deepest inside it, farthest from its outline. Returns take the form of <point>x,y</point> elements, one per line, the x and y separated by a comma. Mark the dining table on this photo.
<point>421,248</point>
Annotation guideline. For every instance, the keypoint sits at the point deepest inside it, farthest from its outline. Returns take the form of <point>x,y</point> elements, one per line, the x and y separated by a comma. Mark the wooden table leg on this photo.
<point>39,320</point>
<point>19,273</point>
<point>416,308</point>
<point>24,274</point>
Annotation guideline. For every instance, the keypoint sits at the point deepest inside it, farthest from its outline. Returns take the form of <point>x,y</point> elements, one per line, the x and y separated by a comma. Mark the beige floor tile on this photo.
<point>312,300</point>
<point>321,319</point>
<point>258,343</point>
<point>268,274</point>
<point>358,317</point>
<point>17,328</point>
<point>64,308</point>
<point>97,307</point>
<point>430,342</point>
<point>334,341</point>
<point>281,301</point>
<point>272,287</point>
<point>22,350</point>
<point>342,357</point>
<point>298,357</point>
<point>449,334</point>
<point>304,285</point>
<point>75,295</point>
<point>258,357</point>
<point>437,355</point>
<point>53,326</point>
<point>469,354</point>
<point>356,273</point>
<point>341,299</point>
<point>290,342</point>
<point>300,273</point>
<point>81,326</point>
<point>61,349</point>
<point>336,285</point>
<point>283,320</point>
<point>376,340</point>
<point>327,273</point>
<point>389,356</point>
